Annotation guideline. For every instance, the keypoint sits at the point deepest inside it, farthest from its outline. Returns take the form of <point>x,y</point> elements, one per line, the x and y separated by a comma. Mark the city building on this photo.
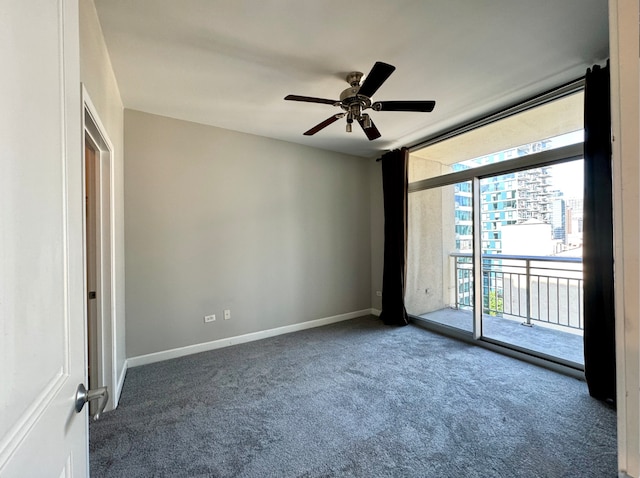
<point>508,199</point>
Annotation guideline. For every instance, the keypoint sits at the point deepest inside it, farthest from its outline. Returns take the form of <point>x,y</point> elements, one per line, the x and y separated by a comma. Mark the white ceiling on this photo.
<point>230,63</point>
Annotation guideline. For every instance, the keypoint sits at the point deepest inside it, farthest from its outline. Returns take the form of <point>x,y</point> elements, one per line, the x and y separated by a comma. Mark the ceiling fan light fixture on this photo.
<point>349,122</point>
<point>366,121</point>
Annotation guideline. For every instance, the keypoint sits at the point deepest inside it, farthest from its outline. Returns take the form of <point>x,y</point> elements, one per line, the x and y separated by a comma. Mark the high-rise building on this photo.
<point>464,216</point>
<point>508,199</point>
<point>513,198</point>
<point>558,219</point>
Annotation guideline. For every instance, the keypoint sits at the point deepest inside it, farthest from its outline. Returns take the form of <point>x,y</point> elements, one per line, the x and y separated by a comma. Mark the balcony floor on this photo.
<point>556,341</point>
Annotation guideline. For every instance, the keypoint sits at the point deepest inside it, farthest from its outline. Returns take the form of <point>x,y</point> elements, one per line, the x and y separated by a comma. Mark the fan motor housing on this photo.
<point>350,96</point>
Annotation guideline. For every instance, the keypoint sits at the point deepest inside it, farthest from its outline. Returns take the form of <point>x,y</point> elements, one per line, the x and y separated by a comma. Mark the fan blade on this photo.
<point>419,106</point>
<point>372,133</point>
<point>378,75</point>
<point>311,99</point>
<point>324,124</point>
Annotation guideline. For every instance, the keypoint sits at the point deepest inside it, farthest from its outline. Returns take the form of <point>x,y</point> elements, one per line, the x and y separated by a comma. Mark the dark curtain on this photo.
<point>394,187</point>
<point>599,318</point>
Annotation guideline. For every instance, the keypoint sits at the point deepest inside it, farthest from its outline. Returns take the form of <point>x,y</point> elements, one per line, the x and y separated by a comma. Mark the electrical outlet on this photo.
<point>227,314</point>
<point>379,293</point>
<point>210,318</point>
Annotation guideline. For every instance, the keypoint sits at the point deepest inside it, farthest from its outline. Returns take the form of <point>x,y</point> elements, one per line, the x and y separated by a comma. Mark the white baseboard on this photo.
<point>376,312</point>
<point>120,384</point>
<point>241,339</point>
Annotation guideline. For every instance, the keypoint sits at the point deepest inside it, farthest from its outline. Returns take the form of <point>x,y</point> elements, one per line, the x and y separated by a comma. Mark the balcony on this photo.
<point>531,302</point>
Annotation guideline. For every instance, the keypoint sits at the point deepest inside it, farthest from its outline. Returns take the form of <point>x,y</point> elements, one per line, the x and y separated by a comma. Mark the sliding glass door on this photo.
<point>498,256</point>
<point>532,260</point>
<point>495,231</point>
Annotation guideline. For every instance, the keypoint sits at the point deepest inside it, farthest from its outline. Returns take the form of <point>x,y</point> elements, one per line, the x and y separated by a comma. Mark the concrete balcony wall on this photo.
<point>430,284</point>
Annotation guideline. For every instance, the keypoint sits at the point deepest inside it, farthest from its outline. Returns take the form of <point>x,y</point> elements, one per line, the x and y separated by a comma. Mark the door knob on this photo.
<point>83,396</point>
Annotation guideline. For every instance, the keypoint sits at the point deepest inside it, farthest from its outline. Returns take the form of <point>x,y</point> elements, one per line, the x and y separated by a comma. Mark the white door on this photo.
<point>42,337</point>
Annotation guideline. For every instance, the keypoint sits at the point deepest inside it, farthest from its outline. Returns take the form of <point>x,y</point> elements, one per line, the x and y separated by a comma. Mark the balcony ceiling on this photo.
<point>552,119</point>
<point>230,63</point>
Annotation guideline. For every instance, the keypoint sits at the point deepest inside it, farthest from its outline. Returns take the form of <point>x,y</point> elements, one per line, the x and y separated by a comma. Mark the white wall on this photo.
<point>625,107</point>
<point>276,232</point>
<point>99,80</point>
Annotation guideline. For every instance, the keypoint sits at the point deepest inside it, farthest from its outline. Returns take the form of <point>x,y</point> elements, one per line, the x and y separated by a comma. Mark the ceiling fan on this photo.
<point>357,98</point>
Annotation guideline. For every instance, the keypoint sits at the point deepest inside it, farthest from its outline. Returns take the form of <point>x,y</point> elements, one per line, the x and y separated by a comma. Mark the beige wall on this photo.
<point>431,240</point>
<point>98,78</point>
<point>276,232</point>
<point>377,233</point>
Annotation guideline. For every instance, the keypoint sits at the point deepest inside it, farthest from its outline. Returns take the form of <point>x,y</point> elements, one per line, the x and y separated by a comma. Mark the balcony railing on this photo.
<point>534,288</point>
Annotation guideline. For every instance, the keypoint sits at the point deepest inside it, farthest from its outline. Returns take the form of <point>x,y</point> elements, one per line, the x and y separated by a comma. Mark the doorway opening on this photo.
<point>90,157</point>
<point>99,258</point>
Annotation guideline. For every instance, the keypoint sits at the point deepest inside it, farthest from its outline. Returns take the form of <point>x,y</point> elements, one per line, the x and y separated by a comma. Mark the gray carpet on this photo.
<point>353,399</point>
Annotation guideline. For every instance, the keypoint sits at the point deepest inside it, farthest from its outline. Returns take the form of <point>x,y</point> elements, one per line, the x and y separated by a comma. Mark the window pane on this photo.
<point>439,259</point>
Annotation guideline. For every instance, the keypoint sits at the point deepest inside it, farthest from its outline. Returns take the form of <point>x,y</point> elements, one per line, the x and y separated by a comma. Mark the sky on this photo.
<point>569,178</point>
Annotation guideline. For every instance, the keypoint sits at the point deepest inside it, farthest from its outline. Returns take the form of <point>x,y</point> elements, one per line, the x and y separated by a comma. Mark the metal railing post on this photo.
<point>528,292</point>
<point>456,281</point>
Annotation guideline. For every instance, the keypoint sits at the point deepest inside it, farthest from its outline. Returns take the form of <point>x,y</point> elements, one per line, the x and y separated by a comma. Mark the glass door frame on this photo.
<point>475,175</point>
